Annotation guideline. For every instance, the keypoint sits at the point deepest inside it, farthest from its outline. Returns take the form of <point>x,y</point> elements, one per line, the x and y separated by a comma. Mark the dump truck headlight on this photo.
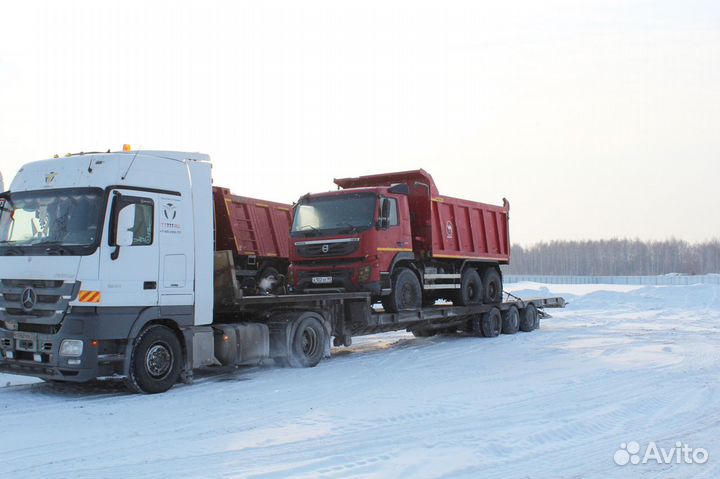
<point>71,347</point>
<point>364,273</point>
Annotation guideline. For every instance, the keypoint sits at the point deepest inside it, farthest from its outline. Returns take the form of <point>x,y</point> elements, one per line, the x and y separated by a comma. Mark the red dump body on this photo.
<point>446,227</point>
<point>251,227</point>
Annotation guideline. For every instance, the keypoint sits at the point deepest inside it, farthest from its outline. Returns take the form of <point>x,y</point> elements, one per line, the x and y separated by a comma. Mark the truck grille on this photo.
<point>320,249</point>
<point>47,302</point>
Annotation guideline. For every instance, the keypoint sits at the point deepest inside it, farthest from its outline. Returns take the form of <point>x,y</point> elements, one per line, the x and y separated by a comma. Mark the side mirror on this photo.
<point>385,208</point>
<point>125,225</point>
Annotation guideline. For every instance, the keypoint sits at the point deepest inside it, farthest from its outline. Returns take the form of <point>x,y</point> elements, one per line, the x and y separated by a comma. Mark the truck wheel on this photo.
<point>511,321</point>
<point>406,292</point>
<point>529,318</point>
<point>471,288</point>
<point>492,286</point>
<point>491,323</point>
<point>156,361</point>
<point>308,344</point>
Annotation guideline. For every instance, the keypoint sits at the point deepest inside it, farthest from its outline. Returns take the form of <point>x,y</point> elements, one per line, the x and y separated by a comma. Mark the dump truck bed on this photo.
<point>250,226</point>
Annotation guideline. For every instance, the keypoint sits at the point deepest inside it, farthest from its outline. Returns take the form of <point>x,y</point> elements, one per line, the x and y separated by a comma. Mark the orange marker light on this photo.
<point>126,147</point>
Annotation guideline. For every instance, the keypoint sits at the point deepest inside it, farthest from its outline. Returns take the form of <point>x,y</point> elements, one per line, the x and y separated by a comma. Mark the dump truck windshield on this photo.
<point>337,214</point>
<point>50,221</point>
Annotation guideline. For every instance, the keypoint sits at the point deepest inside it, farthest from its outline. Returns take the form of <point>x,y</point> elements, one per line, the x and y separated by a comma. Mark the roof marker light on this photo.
<point>126,148</point>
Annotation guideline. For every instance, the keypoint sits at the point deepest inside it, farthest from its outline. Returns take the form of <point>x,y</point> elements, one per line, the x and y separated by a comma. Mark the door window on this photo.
<point>393,216</point>
<point>135,216</point>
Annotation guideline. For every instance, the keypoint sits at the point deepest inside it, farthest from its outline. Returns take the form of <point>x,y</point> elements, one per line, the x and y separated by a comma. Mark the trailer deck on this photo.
<point>353,314</point>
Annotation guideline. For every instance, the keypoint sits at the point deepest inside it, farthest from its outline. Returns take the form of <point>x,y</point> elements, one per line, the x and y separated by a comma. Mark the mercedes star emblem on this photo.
<point>29,298</point>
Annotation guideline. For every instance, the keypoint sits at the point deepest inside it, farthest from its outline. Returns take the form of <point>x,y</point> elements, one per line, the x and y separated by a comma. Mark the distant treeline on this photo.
<point>615,257</point>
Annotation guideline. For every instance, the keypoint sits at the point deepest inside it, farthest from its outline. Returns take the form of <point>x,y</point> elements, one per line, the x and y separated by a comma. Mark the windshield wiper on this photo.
<point>353,228</point>
<point>56,250</point>
<point>11,251</point>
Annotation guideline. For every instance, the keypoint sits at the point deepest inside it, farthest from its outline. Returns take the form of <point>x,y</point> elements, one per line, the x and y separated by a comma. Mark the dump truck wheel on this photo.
<point>491,323</point>
<point>406,292</point>
<point>511,321</point>
<point>308,344</point>
<point>471,288</point>
<point>529,318</point>
<point>492,286</point>
<point>156,361</point>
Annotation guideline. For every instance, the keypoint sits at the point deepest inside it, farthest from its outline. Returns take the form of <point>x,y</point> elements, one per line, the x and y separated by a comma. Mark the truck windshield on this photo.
<point>50,221</point>
<point>338,214</point>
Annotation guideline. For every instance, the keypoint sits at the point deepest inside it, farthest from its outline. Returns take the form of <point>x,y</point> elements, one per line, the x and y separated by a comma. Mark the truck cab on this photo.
<point>96,248</point>
<point>347,240</point>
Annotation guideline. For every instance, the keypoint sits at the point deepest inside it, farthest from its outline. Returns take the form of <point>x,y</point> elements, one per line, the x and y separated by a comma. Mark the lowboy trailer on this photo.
<point>112,266</point>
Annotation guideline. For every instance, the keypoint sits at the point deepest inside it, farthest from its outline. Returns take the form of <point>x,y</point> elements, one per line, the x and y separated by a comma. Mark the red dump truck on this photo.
<point>395,236</point>
<point>256,233</point>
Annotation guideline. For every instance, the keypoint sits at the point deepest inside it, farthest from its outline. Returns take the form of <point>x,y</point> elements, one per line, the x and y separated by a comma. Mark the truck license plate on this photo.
<point>25,341</point>
<point>322,280</point>
<point>25,335</point>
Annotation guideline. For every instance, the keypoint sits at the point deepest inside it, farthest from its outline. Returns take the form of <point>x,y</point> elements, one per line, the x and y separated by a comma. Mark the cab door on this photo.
<point>129,255</point>
<point>395,238</point>
<point>175,240</point>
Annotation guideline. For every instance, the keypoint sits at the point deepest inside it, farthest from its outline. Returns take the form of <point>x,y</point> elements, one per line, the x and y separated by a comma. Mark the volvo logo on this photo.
<point>28,298</point>
<point>325,248</point>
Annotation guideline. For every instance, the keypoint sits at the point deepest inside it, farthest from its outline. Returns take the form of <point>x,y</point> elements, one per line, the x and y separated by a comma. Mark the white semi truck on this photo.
<point>108,270</point>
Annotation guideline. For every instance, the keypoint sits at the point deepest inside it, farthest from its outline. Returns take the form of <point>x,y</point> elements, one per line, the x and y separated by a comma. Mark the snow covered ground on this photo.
<point>620,364</point>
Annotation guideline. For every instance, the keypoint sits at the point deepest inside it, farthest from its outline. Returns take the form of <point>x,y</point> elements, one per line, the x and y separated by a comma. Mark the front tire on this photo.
<point>156,361</point>
<point>406,292</point>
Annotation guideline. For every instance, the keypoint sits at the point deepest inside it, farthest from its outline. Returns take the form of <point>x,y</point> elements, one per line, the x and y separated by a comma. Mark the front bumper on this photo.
<point>341,281</point>
<point>37,354</point>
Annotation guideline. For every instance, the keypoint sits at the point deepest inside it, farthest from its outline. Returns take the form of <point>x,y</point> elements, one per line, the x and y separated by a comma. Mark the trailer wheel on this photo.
<point>491,323</point>
<point>471,288</point>
<point>156,361</point>
<point>308,344</point>
<point>492,286</point>
<point>529,318</point>
<point>511,321</point>
<point>406,292</point>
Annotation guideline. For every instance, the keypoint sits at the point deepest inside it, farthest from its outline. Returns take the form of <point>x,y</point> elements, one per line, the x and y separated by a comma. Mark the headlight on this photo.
<point>364,273</point>
<point>71,347</point>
